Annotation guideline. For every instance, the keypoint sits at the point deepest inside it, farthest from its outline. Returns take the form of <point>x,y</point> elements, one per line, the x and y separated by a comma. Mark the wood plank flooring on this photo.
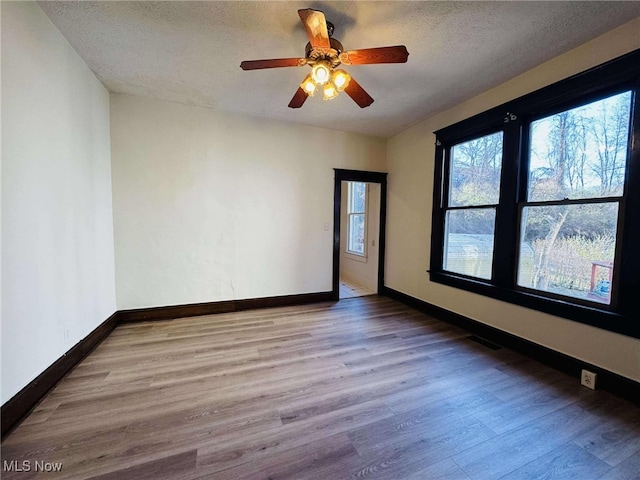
<point>363,388</point>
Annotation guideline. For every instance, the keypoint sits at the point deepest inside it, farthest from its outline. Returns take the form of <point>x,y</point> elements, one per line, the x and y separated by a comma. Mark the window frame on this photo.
<point>514,119</point>
<point>350,214</point>
<point>447,207</point>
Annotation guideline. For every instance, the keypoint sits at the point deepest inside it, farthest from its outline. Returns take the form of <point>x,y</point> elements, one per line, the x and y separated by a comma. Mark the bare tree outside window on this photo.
<point>474,191</point>
<point>576,179</point>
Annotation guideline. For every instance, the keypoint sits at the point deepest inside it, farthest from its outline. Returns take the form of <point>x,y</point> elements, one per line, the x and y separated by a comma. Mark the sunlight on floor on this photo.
<point>349,289</point>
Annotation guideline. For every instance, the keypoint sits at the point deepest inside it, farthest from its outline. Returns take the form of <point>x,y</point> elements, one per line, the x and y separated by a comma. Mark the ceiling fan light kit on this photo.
<point>321,72</point>
<point>324,54</point>
<point>323,76</point>
<point>340,79</point>
<point>330,92</point>
<point>308,85</point>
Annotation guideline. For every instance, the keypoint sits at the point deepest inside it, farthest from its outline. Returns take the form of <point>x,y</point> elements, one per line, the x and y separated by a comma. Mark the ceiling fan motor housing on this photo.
<point>332,54</point>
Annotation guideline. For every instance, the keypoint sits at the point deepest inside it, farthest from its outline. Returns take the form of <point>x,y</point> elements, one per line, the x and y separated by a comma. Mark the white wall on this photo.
<point>411,167</point>
<point>57,235</point>
<point>362,270</point>
<point>211,206</point>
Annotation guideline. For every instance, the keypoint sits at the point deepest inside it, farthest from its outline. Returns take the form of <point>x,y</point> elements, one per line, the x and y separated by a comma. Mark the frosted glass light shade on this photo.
<point>321,73</point>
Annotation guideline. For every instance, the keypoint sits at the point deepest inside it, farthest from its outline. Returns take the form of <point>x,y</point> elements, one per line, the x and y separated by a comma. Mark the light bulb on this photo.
<point>341,79</point>
<point>321,73</point>
<point>330,91</point>
<point>308,86</point>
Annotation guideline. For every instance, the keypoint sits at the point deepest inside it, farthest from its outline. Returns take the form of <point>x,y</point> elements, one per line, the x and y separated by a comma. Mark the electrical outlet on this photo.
<point>588,379</point>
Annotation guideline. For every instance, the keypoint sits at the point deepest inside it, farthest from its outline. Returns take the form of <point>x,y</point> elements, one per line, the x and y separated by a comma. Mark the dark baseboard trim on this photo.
<point>21,404</point>
<point>283,301</point>
<point>609,381</point>
<point>211,308</point>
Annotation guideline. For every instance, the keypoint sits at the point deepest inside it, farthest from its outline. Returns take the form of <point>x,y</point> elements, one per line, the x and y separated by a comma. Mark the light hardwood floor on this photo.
<point>349,289</point>
<point>363,388</point>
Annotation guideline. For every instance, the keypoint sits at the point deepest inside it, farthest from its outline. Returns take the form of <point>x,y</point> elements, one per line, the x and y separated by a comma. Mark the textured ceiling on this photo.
<point>190,52</point>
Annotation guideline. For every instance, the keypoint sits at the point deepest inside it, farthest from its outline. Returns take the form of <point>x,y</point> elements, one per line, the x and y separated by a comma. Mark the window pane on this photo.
<point>358,196</point>
<point>356,234</point>
<point>469,241</point>
<point>475,171</point>
<point>580,153</point>
<point>569,249</point>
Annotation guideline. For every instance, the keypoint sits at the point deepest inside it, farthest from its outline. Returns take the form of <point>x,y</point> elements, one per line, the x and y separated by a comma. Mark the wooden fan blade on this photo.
<point>396,54</point>
<point>298,99</point>
<point>316,26</point>
<point>358,94</point>
<point>273,63</point>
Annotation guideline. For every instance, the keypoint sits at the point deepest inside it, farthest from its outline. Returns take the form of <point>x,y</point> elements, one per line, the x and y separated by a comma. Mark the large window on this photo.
<point>577,166</point>
<point>357,218</point>
<point>535,201</point>
<point>474,185</point>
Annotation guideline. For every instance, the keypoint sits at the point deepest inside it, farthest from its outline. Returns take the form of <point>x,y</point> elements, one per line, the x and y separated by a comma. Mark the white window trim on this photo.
<point>361,257</point>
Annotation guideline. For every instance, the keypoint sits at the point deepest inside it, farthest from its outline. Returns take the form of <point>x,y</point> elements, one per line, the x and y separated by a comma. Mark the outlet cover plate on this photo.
<point>588,379</point>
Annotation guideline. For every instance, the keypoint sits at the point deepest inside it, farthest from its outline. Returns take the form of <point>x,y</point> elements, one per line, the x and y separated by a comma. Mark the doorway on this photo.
<point>359,228</point>
<point>359,231</point>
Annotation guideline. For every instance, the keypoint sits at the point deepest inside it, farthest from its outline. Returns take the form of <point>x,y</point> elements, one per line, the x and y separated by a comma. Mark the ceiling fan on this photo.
<point>324,54</point>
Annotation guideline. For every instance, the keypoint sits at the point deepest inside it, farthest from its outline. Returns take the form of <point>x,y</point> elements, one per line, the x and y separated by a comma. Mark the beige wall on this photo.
<point>411,166</point>
<point>208,206</point>
<point>211,206</point>
<point>57,232</point>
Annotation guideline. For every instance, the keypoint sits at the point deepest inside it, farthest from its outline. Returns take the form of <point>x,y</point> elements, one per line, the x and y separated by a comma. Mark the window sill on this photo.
<point>356,257</point>
<point>590,315</point>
